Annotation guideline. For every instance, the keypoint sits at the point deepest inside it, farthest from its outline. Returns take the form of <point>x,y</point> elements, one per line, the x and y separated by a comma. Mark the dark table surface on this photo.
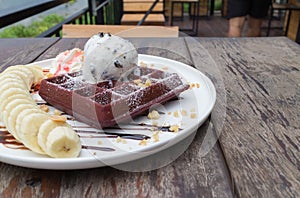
<point>251,139</point>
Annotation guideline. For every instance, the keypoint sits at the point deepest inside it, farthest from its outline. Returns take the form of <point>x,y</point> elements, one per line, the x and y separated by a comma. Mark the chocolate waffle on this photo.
<point>108,103</point>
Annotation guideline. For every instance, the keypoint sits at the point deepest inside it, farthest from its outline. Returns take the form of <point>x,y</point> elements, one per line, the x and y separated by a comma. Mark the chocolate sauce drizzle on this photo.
<point>113,135</point>
<point>149,127</point>
<point>98,148</point>
<point>40,102</point>
<point>9,141</point>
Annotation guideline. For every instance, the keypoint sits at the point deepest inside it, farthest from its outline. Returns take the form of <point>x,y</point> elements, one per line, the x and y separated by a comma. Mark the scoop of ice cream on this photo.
<point>67,61</point>
<point>107,57</point>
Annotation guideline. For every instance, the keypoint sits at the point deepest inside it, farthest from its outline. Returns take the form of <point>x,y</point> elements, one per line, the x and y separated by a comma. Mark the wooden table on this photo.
<point>256,118</point>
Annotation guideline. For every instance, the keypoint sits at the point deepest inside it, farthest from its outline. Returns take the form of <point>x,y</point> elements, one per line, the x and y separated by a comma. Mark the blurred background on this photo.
<point>43,18</point>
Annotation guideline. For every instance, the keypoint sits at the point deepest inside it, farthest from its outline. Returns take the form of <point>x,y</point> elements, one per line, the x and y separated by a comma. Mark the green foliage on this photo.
<point>218,5</point>
<point>186,7</point>
<point>36,28</point>
<point>71,2</point>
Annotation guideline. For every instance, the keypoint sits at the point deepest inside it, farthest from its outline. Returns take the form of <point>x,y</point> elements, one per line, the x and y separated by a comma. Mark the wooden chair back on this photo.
<point>84,31</point>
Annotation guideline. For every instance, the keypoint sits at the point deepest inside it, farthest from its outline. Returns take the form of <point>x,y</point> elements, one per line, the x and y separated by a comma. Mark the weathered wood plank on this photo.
<point>152,19</point>
<point>86,31</point>
<point>22,50</point>
<point>173,48</point>
<point>63,45</point>
<point>260,135</point>
<point>142,6</point>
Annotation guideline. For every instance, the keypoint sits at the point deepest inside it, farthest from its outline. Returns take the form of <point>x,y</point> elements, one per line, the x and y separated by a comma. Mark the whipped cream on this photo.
<point>67,61</point>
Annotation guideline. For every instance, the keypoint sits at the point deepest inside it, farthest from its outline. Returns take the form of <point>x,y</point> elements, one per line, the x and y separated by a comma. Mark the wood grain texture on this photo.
<point>22,50</point>
<point>173,48</point>
<point>62,45</point>
<point>260,136</point>
<point>152,19</point>
<point>86,31</point>
<point>190,175</point>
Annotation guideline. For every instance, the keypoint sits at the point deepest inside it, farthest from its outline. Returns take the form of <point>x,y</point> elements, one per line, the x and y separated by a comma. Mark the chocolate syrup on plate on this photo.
<point>9,141</point>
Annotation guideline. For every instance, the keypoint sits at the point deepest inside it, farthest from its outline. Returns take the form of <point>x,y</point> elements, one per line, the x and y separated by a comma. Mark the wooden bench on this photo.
<point>142,6</point>
<point>135,10</point>
<point>86,31</point>
<point>152,19</point>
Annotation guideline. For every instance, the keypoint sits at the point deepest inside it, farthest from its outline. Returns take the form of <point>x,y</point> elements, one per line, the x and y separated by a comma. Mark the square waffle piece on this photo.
<point>108,103</point>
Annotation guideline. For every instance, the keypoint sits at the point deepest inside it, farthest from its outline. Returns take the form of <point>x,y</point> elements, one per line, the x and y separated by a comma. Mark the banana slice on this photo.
<point>29,128</point>
<point>24,73</point>
<point>21,116</point>
<point>4,103</point>
<point>12,91</point>
<point>46,128</point>
<point>22,68</point>
<point>12,68</point>
<point>62,142</point>
<point>9,108</point>
<point>12,104</point>
<point>11,78</point>
<point>37,71</point>
<point>12,97</point>
<point>11,124</point>
<point>16,101</point>
<point>10,75</point>
<point>8,83</point>
<point>28,79</point>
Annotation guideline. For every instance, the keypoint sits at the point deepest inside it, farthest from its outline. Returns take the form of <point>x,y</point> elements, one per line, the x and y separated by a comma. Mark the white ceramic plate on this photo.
<point>189,113</point>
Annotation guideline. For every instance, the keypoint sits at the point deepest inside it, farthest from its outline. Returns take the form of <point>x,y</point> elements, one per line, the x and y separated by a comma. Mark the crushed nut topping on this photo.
<point>57,112</point>
<point>153,115</point>
<point>156,136</point>
<point>155,123</point>
<point>119,139</point>
<point>44,108</point>
<point>140,83</point>
<point>58,118</point>
<point>174,128</point>
<point>143,64</point>
<point>148,83</point>
<point>143,142</point>
<point>193,85</point>
<point>183,112</point>
<point>48,75</point>
<point>137,81</point>
<point>176,114</point>
<point>193,115</point>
